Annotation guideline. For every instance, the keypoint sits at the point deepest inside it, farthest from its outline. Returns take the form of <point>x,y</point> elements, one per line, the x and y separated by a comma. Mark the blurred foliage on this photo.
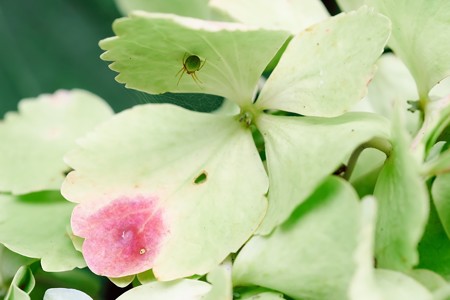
<point>49,45</point>
<point>82,280</point>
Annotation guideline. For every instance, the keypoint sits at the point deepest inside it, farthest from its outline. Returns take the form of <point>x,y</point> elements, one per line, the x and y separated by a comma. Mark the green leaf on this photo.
<point>293,16</point>
<point>310,255</point>
<point>34,225</point>
<point>65,294</point>
<point>150,51</point>
<point>293,146</point>
<point>21,286</point>
<point>403,206</point>
<point>326,68</point>
<point>192,8</point>
<point>434,248</point>
<point>10,262</point>
<point>185,174</point>
<point>185,289</point>
<point>441,197</point>
<point>49,126</point>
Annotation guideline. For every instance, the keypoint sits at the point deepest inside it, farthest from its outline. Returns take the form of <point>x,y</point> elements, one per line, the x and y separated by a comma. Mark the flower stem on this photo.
<point>377,143</point>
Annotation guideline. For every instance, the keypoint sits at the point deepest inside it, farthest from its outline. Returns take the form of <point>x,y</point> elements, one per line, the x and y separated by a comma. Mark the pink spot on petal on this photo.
<point>122,238</point>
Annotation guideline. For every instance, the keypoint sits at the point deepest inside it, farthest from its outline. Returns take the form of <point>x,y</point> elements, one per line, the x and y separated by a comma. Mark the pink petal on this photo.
<point>122,238</point>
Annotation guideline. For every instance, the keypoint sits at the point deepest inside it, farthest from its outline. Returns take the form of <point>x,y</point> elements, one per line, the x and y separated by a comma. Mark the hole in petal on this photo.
<point>201,178</point>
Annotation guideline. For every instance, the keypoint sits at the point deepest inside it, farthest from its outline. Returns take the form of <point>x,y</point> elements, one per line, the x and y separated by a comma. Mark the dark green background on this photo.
<point>53,44</point>
<point>48,45</point>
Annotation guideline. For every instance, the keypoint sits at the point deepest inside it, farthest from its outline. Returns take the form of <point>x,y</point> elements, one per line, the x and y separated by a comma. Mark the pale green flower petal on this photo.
<point>420,36</point>
<point>402,204</point>
<point>220,279</point>
<point>150,50</point>
<point>310,255</point>
<point>363,284</point>
<point>398,286</point>
<point>34,140</point>
<point>265,296</point>
<point>377,284</point>
<point>391,87</point>
<point>431,280</point>
<point>35,225</point>
<point>293,146</point>
<point>122,281</point>
<point>198,177</point>
<point>326,68</point>
<point>293,16</point>
<point>420,31</point>
<point>185,289</point>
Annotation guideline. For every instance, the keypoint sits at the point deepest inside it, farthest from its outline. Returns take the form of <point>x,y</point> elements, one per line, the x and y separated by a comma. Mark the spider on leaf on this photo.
<point>191,64</point>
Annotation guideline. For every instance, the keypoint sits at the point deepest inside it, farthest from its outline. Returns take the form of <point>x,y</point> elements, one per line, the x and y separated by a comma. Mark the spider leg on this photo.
<point>201,66</point>
<point>196,77</point>
<point>181,75</point>
<point>196,80</point>
<point>182,69</point>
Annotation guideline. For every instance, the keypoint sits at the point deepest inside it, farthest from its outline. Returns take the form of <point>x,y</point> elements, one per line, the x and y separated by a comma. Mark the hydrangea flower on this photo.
<point>163,188</point>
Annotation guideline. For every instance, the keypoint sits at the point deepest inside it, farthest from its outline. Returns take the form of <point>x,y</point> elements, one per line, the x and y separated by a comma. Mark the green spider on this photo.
<point>191,64</point>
